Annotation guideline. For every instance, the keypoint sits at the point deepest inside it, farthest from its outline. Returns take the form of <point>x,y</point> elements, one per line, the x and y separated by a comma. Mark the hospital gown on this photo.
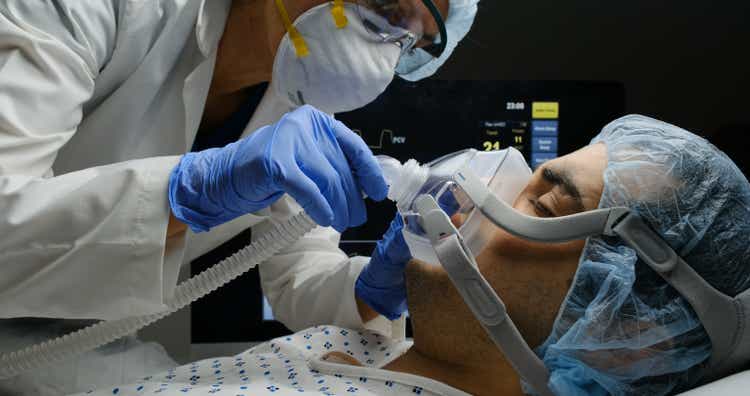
<point>293,365</point>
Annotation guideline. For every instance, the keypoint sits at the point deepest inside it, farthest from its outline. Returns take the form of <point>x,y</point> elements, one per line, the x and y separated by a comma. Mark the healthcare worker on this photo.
<point>100,100</point>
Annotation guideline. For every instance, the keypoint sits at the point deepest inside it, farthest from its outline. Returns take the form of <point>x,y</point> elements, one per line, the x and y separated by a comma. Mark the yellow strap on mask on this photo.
<point>297,40</point>
<point>338,14</point>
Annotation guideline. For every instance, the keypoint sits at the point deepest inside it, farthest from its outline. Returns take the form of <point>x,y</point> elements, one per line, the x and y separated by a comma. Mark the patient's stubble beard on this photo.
<point>444,327</point>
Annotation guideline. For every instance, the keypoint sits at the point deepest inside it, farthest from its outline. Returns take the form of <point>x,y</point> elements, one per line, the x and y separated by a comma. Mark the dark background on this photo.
<point>685,62</point>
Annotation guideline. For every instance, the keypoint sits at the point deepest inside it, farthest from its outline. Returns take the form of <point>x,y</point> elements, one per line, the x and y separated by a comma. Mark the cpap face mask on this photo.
<point>504,173</point>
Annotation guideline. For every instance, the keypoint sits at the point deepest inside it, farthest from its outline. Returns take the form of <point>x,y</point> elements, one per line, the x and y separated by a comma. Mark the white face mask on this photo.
<point>346,68</point>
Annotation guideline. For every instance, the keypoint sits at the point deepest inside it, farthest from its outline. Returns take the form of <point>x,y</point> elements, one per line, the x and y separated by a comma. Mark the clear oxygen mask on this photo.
<point>504,172</point>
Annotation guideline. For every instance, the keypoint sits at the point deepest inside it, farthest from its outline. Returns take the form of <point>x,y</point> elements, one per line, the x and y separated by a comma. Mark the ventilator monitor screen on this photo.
<point>424,121</point>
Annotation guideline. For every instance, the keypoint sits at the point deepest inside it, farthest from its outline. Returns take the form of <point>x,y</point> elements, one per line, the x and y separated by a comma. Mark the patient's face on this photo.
<point>532,278</point>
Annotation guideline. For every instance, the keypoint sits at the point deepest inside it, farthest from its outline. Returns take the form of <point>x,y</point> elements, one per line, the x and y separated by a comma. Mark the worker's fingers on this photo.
<point>355,203</point>
<point>364,166</point>
<point>329,183</point>
<point>306,192</point>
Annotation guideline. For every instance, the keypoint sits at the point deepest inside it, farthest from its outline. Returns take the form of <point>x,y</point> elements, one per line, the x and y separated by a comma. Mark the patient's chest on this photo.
<point>363,348</point>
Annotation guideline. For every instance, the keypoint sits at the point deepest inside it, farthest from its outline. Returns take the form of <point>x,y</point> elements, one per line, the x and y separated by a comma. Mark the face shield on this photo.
<point>725,318</point>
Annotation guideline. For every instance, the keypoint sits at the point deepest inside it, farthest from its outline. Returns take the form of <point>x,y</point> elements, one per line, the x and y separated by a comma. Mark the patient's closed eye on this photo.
<point>540,209</point>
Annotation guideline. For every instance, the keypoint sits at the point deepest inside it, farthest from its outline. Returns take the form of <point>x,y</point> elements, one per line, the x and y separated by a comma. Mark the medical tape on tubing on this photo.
<point>300,46</point>
<point>280,236</point>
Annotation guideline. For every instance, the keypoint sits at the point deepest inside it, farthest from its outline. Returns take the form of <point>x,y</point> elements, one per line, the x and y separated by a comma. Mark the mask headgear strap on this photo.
<point>300,46</point>
<point>338,14</point>
<point>479,296</point>
<point>725,319</point>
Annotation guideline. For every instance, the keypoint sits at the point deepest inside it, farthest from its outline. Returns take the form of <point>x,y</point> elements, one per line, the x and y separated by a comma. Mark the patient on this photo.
<point>603,322</point>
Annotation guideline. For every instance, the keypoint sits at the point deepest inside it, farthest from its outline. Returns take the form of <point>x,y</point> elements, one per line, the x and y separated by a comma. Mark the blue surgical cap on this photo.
<point>461,15</point>
<point>622,330</point>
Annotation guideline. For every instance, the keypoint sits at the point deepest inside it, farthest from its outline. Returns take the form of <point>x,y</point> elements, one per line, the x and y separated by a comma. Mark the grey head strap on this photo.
<point>726,319</point>
<point>479,296</point>
<point>558,229</point>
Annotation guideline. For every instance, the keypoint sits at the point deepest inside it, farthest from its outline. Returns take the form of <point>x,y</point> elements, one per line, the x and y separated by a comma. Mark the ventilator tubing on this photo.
<point>280,236</point>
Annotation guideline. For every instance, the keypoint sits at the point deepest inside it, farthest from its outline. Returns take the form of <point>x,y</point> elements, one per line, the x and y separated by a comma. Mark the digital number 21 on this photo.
<point>490,146</point>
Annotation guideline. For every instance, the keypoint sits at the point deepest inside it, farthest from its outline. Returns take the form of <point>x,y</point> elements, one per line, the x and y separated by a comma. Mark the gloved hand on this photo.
<point>322,164</point>
<point>381,283</point>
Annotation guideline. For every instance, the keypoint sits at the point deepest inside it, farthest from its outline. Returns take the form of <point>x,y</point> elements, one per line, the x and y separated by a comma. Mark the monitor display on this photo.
<point>424,121</point>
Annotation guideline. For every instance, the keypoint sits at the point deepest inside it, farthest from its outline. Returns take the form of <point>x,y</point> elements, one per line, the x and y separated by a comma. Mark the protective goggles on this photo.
<point>724,318</point>
<point>402,22</point>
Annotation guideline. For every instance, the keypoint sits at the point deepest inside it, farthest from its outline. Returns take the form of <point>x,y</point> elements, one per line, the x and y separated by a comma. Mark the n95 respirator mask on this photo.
<point>340,69</point>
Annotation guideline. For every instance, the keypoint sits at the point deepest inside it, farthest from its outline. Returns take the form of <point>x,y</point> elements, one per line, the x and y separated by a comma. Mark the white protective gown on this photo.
<point>97,101</point>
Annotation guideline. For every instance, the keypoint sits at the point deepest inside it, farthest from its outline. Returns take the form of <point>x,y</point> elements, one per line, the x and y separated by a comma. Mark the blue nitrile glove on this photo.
<point>320,162</point>
<point>381,283</point>
<point>448,203</point>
